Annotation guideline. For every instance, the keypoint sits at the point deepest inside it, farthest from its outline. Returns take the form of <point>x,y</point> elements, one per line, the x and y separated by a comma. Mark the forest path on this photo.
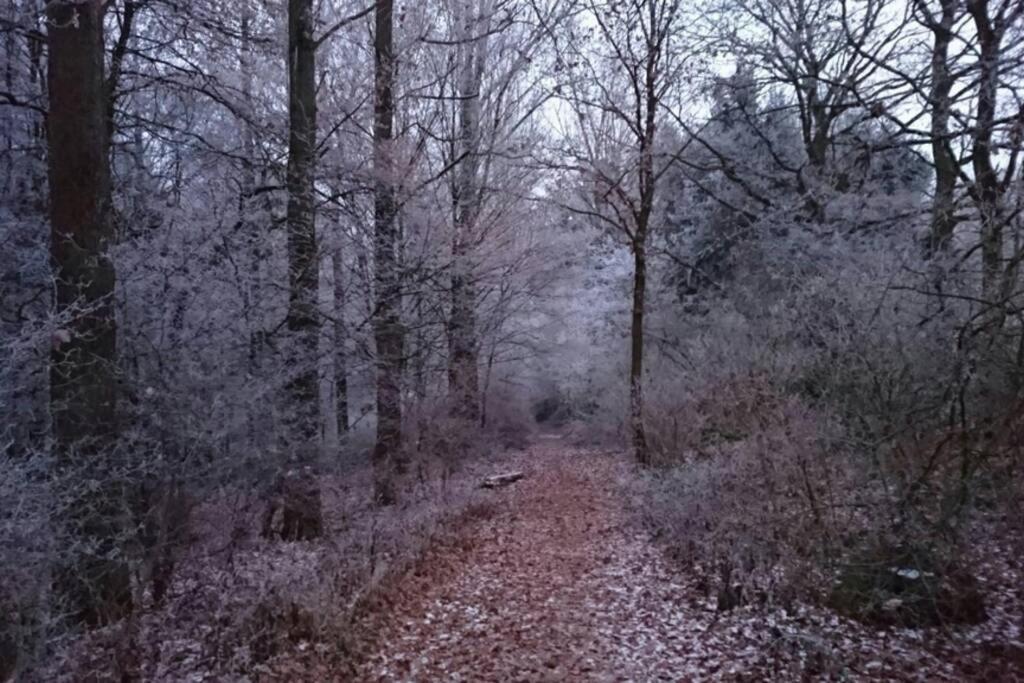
<point>558,584</point>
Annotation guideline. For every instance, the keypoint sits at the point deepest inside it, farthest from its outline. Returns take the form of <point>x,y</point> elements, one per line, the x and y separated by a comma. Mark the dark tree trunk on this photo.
<point>302,256</point>
<point>987,192</point>
<point>636,336</point>
<point>387,452</point>
<point>647,186</point>
<point>83,389</point>
<point>303,272</point>
<point>341,344</point>
<point>946,167</point>
<point>639,247</point>
<point>636,355</point>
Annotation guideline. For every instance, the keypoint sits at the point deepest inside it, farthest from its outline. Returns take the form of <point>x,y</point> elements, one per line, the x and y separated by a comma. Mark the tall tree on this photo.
<point>473,24</point>
<point>302,512</point>
<point>387,327</point>
<point>620,102</point>
<point>83,387</point>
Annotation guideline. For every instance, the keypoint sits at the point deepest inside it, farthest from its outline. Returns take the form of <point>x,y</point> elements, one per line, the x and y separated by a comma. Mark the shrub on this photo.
<point>825,443</point>
<point>757,511</point>
<point>901,585</point>
<point>29,539</point>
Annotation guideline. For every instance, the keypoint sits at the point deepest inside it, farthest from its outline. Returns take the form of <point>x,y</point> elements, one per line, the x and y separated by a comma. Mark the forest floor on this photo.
<point>558,582</point>
<point>557,577</point>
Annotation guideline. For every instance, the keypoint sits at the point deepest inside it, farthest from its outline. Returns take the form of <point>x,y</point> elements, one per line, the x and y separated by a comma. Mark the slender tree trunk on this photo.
<point>300,501</point>
<point>387,453</point>
<point>327,351</point>
<point>485,392</point>
<point>986,181</point>
<point>35,182</point>
<point>647,186</point>
<point>83,387</point>
<point>463,372</point>
<point>636,355</point>
<point>946,170</point>
<point>250,227</point>
<point>340,343</point>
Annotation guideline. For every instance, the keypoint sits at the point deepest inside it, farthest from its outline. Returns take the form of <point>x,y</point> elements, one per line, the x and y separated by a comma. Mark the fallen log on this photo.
<point>499,480</point>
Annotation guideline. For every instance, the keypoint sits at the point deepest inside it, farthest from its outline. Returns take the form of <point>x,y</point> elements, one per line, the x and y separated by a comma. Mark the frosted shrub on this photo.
<point>27,550</point>
<point>842,426</point>
<point>509,423</point>
<point>754,501</point>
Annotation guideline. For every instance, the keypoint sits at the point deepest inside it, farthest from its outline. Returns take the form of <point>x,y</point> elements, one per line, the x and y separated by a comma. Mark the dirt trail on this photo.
<point>557,585</point>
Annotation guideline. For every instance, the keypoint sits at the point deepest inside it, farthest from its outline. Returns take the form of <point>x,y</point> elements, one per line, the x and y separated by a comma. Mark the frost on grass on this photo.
<point>242,608</point>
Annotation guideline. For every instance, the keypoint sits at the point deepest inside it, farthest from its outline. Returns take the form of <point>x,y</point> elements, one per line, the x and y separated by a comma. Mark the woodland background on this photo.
<point>294,271</point>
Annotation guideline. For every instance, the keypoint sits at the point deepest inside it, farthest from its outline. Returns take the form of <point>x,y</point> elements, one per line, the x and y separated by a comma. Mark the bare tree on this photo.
<point>620,104</point>
<point>827,57</point>
<point>474,28</point>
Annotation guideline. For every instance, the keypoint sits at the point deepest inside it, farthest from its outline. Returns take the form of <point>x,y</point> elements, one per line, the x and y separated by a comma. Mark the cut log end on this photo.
<point>499,480</point>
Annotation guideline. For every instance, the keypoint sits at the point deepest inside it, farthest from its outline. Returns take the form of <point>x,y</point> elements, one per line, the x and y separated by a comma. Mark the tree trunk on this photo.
<point>647,186</point>
<point>817,156</point>
<point>341,343</point>
<point>986,181</point>
<point>463,372</point>
<point>303,417</point>
<point>488,373</point>
<point>251,230</point>
<point>83,387</point>
<point>946,170</point>
<point>387,452</point>
<point>636,365</point>
<point>328,348</point>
